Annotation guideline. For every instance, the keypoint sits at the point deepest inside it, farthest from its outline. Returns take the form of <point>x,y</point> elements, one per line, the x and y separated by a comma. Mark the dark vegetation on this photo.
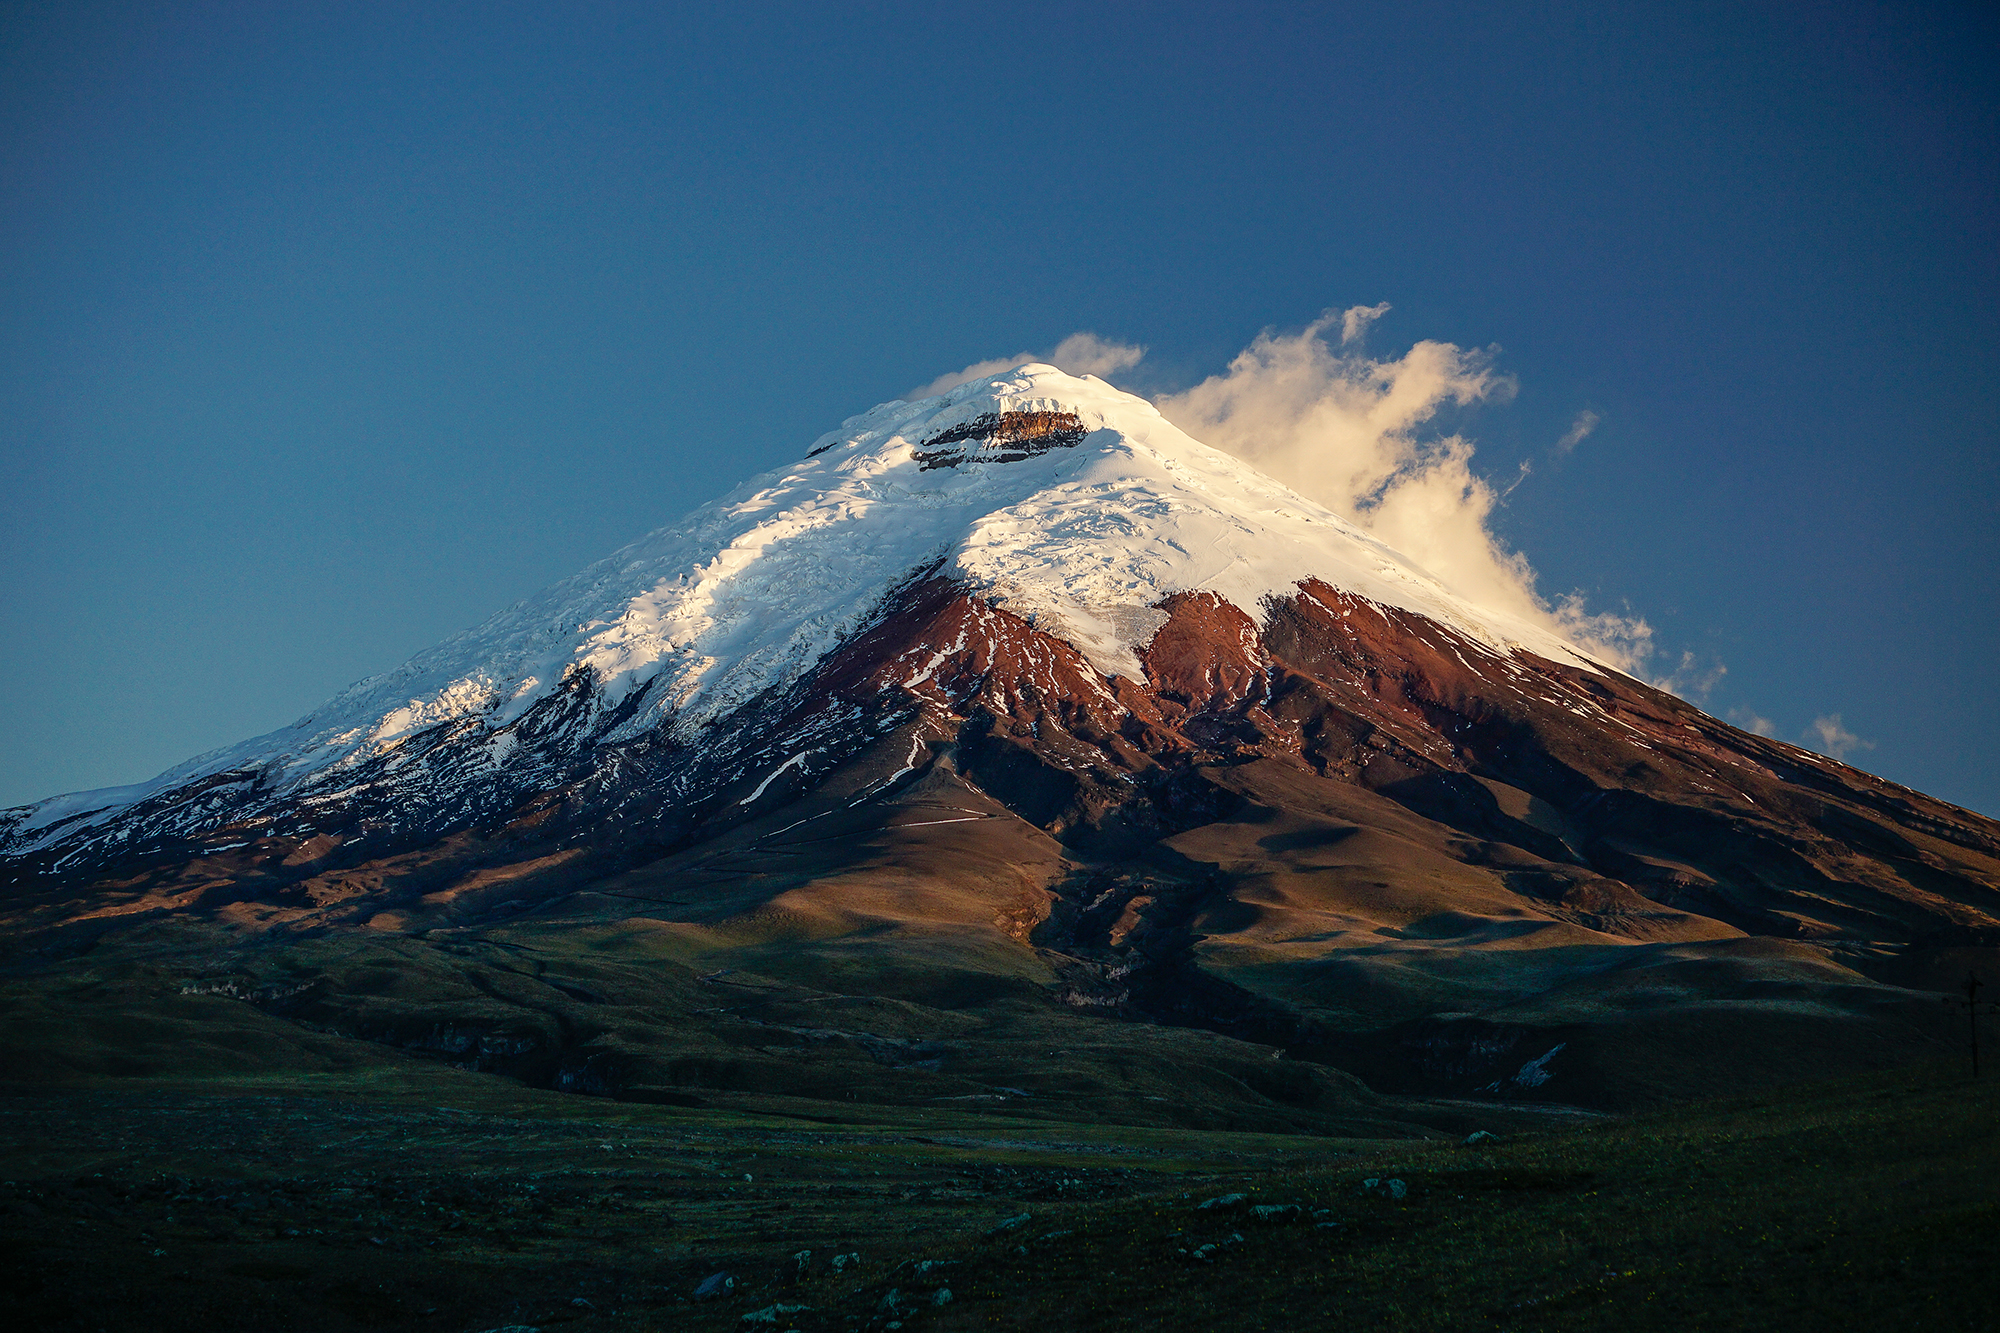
<point>423,1197</point>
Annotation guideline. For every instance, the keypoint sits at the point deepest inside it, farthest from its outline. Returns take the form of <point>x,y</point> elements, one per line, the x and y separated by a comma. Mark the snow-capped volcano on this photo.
<point>1020,692</point>
<point>1069,504</point>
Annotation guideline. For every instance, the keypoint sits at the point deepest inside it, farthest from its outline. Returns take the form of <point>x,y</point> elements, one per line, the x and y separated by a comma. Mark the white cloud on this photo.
<point>1692,678</point>
<point>1354,321</point>
<point>1586,422</point>
<point>1752,723</point>
<point>1831,737</point>
<point>1088,354</point>
<point>1078,354</point>
<point>1346,429</point>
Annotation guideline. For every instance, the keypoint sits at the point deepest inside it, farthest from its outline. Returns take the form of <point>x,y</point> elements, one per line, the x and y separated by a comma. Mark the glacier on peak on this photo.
<point>1105,510</point>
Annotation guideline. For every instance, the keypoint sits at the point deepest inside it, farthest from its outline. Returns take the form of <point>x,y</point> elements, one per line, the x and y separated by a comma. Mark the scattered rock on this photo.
<point>803,1261</point>
<point>1536,1072</point>
<point>842,1262</point>
<point>1010,1223</point>
<point>1278,1212</point>
<point>1479,1138</point>
<point>1378,1188</point>
<point>1209,1253</point>
<point>714,1287</point>
<point>771,1314</point>
<point>1225,1201</point>
<point>942,1296</point>
<point>930,1266</point>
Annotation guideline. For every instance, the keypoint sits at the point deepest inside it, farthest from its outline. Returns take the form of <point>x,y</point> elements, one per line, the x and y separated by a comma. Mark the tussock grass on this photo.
<point>460,1202</point>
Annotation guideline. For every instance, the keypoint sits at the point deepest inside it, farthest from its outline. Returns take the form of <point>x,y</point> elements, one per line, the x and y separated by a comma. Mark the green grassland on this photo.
<point>407,1194</point>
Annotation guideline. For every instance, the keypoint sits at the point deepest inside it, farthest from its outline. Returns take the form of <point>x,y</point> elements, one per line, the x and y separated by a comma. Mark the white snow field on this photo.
<point>749,591</point>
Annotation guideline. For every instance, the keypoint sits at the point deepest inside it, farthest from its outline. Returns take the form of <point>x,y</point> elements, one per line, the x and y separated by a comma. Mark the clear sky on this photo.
<point>328,329</point>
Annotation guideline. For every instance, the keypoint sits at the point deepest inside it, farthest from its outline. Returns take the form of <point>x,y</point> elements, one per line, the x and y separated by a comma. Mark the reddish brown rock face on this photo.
<point>1580,774</point>
<point>1001,437</point>
<point>1208,657</point>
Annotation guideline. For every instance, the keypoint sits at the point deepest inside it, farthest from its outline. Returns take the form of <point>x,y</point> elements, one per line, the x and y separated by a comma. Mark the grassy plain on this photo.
<point>421,1197</point>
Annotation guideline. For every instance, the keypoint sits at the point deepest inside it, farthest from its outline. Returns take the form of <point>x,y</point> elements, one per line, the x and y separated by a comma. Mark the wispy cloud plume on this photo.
<point>1827,734</point>
<point>1752,723</point>
<point>1078,354</point>
<point>1692,677</point>
<point>1586,422</point>
<point>1831,737</point>
<point>1347,429</point>
<point>1354,321</point>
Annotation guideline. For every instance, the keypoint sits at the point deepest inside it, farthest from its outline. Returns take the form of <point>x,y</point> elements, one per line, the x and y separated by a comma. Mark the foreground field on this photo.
<point>439,1200</point>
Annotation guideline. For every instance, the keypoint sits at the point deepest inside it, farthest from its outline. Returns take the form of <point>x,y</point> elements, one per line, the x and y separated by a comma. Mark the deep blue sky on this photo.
<point>328,329</point>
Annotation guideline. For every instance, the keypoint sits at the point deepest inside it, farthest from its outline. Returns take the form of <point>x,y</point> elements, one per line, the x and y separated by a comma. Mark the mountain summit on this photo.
<point>1071,505</point>
<point>1019,701</point>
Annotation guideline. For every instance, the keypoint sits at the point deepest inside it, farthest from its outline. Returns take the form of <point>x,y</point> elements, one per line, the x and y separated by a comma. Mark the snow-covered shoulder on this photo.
<point>1069,502</point>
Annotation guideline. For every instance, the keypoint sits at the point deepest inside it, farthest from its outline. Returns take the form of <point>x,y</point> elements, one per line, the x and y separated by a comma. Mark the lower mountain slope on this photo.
<point>1311,863</point>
